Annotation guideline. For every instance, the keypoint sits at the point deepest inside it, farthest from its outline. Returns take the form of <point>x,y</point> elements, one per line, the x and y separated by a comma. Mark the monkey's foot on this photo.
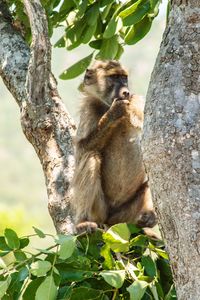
<point>86,226</point>
<point>147,219</point>
<point>151,233</point>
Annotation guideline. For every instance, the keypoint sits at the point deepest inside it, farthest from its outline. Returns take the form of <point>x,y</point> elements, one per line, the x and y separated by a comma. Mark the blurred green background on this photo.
<point>23,199</point>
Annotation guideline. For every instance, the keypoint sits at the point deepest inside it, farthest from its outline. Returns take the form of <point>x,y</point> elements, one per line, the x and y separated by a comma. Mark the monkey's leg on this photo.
<point>87,194</point>
<point>138,210</point>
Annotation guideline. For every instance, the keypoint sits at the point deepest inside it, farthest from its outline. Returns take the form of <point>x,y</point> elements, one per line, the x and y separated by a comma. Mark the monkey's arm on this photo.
<point>93,132</point>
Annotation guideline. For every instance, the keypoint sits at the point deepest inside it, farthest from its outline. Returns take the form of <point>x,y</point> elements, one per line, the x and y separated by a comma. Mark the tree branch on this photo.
<point>44,119</point>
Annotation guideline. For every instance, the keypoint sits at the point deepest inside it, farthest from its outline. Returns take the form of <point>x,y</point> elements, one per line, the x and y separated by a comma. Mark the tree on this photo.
<point>171,143</point>
<point>44,119</point>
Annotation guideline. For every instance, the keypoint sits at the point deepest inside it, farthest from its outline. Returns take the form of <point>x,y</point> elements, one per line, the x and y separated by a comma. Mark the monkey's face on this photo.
<point>106,80</point>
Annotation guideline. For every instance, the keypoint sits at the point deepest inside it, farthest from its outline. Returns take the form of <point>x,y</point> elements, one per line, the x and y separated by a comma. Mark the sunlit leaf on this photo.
<point>109,261</point>
<point>47,289</point>
<point>117,237</point>
<point>130,9</point>
<point>67,245</point>
<point>137,16</point>
<point>4,286</point>
<point>114,278</point>
<point>137,289</point>
<point>40,268</point>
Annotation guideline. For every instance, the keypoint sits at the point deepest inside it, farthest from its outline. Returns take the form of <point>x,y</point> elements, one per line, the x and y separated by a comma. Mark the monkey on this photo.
<point>110,184</point>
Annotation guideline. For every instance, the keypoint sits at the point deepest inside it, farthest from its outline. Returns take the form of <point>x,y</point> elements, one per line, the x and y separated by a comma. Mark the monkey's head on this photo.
<point>106,80</point>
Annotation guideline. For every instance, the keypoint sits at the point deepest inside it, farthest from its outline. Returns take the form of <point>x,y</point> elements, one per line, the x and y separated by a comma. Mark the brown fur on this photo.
<point>109,184</point>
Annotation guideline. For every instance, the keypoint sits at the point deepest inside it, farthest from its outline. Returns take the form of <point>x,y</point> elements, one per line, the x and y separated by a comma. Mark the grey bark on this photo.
<point>44,119</point>
<point>171,144</point>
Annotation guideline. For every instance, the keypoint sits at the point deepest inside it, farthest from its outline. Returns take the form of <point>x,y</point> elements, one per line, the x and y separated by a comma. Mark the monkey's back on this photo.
<point>122,168</point>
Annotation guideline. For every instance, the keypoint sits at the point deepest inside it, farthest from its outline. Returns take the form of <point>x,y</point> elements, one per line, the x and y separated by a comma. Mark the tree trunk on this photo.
<point>44,119</point>
<point>171,144</point>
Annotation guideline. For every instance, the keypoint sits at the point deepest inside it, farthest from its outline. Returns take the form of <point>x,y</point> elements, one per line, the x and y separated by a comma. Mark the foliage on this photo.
<point>121,263</point>
<point>106,25</point>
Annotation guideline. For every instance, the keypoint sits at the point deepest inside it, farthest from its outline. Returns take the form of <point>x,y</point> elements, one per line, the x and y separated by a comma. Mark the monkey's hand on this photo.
<point>119,109</point>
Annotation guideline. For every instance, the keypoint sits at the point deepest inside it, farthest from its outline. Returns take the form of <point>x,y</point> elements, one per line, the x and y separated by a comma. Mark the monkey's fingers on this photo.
<point>87,227</point>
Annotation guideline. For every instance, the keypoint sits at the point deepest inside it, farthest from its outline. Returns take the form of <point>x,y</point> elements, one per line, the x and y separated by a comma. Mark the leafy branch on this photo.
<point>121,263</point>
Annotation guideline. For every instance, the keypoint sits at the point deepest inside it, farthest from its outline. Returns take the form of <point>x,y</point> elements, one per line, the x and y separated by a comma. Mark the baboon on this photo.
<point>110,184</point>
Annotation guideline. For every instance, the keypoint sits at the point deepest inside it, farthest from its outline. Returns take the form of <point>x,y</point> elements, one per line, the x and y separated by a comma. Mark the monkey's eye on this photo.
<point>114,76</point>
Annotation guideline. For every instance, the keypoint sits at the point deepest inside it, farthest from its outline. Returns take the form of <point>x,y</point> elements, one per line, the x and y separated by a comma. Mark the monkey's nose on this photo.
<point>124,93</point>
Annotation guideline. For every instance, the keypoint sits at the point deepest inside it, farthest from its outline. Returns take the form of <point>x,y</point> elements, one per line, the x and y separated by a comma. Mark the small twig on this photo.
<point>114,294</point>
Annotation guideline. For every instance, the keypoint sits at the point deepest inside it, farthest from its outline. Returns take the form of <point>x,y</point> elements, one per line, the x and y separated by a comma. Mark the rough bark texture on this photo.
<point>172,144</point>
<point>44,118</point>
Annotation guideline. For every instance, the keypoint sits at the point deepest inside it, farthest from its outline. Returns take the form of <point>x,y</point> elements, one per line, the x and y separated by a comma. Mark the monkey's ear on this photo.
<point>88,74</point>
<point>81,87</point>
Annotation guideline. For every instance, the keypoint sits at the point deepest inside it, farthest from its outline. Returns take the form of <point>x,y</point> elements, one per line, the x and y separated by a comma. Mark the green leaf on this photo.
<point>4,286</point>
<point>117,237</point>
<point>39,232</point>
<point>4,249</point>
<point>138,31</point>
<point>105,12</point>
<point>114,278</point>
<point>137,289</point>
<point>108,49</point>
<point>23,242</point>
<point>96,44</point>
<point>47,290</point>
<point>106,2</point>
<point>60,43</point>
<point>113,27</point>
<point>20,255</point>
<point>154,291</point>
<point>40,268</point>
<point>138,15</point>
<point>149,266</point>
<point>74,34</point>
<point>162,253</point>
<point>119,52</point>
<point>77,69</point>
<point>171,294</point>
<point>67,245</point>
<point>130,9</point>
<point>72,274</point>
<point>31,289</point>
<point>92,14</point>
<point>85,293</point>
<point>67,6</point>
<point>88,33</point>
<point>82,9</point>
<point>133,228</point>
<point>140,241</point>
<point>11,238</point>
